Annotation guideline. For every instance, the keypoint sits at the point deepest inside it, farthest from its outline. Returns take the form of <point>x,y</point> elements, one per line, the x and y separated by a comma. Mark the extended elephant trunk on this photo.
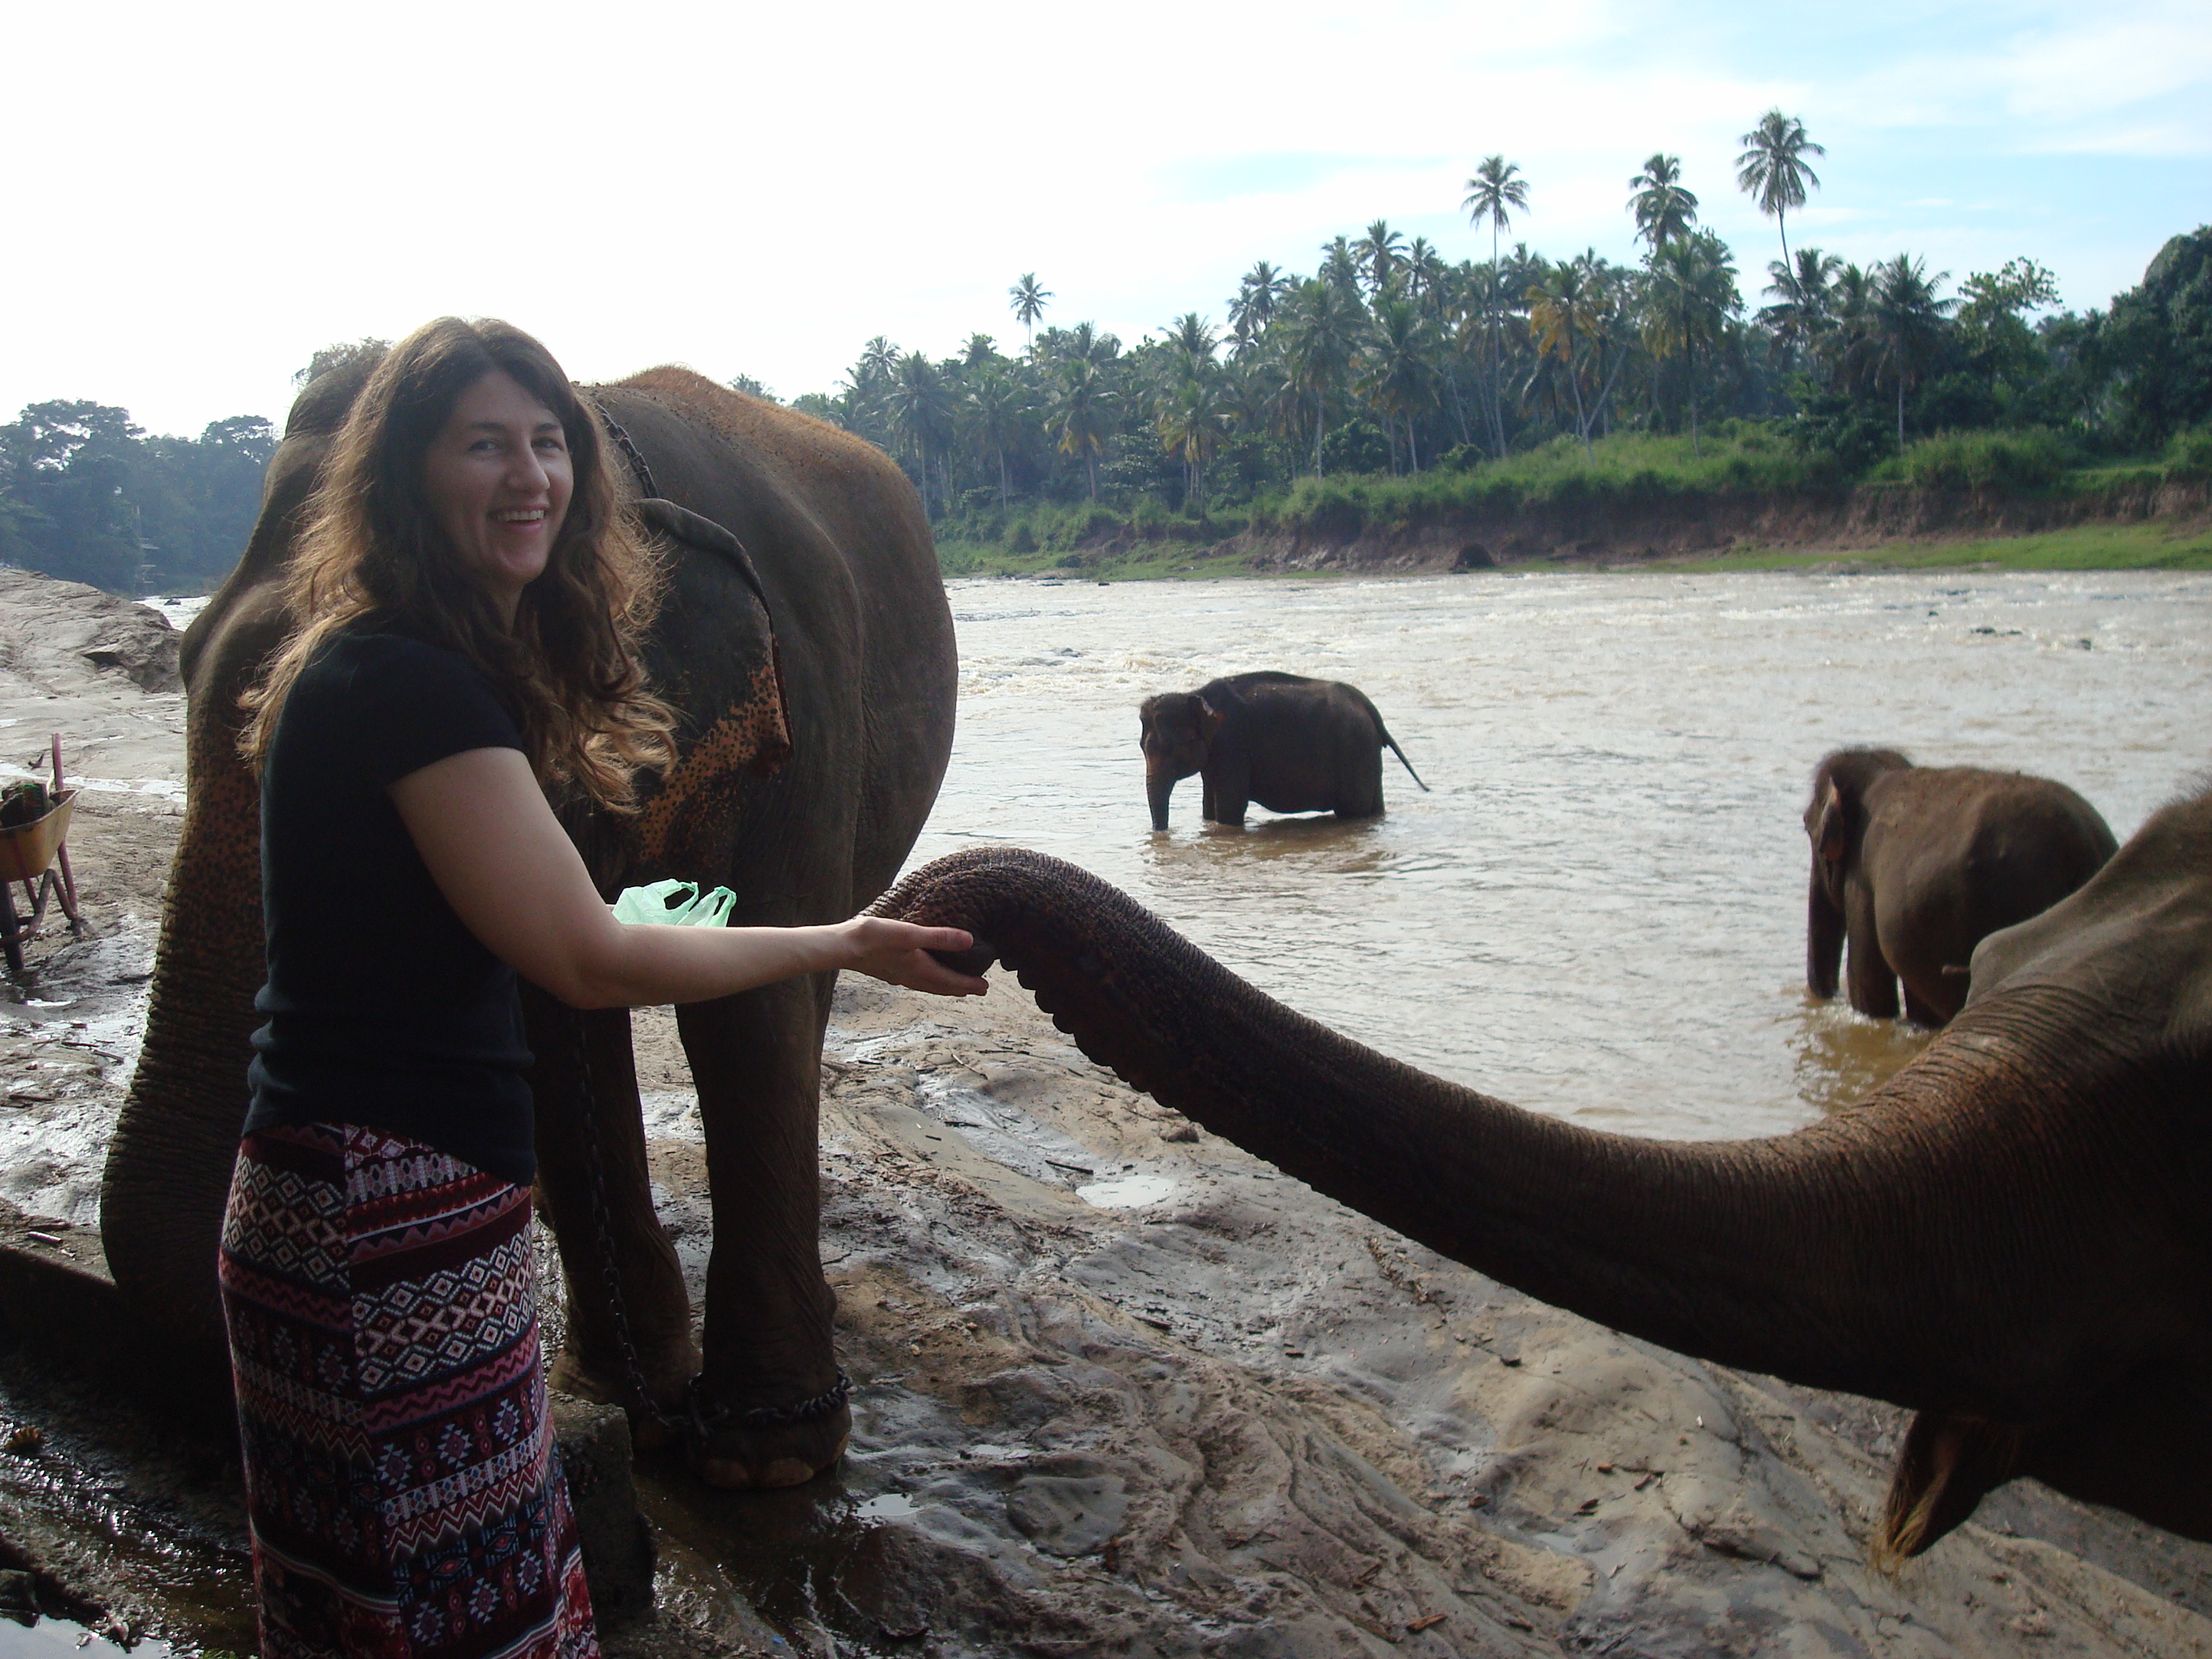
<point>1847,1255</point>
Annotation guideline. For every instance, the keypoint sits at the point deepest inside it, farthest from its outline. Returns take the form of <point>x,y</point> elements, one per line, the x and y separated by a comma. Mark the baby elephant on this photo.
<point>1915,865</point>
<point>1290,743</point>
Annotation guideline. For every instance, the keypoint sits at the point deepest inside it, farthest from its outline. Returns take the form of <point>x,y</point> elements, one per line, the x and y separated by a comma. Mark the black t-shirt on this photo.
<point>384,1011</point>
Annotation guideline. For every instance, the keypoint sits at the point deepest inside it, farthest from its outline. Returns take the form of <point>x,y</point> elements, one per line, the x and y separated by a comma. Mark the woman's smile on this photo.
<point>498,478</point>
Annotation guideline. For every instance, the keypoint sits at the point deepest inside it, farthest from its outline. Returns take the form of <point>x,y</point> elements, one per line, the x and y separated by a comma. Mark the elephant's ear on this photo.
<point>1210,719</point>
<point>1829,833</point>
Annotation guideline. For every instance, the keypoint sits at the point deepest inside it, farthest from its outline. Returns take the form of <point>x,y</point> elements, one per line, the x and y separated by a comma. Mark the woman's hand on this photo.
<point>898,953</point>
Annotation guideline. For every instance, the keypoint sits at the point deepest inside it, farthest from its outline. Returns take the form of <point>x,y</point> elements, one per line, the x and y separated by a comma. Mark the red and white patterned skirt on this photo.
<point>400,1474</point>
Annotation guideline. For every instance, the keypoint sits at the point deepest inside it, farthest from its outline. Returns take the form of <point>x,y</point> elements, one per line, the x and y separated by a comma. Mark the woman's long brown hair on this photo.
<point>372,546</point>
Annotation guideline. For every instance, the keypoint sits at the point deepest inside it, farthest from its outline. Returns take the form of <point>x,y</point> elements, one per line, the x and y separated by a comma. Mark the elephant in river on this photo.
<point>1291,744</point>
<point>2008,1236</point>
<point>1915,865</point>
<point>813,683</point>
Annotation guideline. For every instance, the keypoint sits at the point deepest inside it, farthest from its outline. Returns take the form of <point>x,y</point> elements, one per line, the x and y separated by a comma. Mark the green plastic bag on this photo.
<point>675,903</point>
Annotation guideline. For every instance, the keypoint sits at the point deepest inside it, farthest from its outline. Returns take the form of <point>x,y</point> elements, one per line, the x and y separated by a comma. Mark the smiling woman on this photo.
<point>470,588</point>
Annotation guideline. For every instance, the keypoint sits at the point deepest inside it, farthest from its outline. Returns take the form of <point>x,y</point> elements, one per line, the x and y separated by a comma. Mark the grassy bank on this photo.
<point>1618,479</point>
<point>2142,546</point>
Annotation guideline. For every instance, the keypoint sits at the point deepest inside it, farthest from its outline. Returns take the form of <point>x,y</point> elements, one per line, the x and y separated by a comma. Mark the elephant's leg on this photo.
<point>1870,982</point>
<point>1920,1013</point>
<point>757,1060</point>
<point>654,1322</point>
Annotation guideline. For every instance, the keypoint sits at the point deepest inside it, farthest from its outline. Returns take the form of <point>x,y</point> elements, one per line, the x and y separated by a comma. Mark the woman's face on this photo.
<point>498,476</point>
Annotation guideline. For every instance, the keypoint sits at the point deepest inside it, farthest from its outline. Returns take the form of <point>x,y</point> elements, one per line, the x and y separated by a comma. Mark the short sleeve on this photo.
<point>403,705</point>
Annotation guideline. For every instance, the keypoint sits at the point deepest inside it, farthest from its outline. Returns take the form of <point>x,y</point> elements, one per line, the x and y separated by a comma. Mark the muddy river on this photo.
<point>1598,908</point>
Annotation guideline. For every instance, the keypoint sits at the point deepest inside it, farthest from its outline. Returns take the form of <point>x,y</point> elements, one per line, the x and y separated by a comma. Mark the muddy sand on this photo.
<point>1121,1388</point>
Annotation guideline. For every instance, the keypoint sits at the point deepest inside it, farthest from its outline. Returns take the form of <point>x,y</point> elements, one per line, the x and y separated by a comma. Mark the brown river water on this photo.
<point>1598,910</point>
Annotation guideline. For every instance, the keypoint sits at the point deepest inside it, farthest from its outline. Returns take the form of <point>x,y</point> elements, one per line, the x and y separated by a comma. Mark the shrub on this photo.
<point>2189,453</point>
<point>2029,460</point>
<point>1024,539</point>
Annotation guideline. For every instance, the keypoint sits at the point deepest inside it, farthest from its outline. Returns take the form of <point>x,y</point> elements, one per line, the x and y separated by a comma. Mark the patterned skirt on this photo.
<point>400,1476</point>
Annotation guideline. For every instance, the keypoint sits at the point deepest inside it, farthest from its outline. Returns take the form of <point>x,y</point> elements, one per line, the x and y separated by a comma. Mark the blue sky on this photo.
<point>218,193</point>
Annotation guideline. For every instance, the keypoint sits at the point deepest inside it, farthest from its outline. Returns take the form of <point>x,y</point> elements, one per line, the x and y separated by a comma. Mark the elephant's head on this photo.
<point>1835,820</point>
<point>1175,730</point>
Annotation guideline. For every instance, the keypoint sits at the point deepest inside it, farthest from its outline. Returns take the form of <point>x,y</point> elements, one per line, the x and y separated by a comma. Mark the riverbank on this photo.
<point>1123,1387</point>
<point>1722,515</point>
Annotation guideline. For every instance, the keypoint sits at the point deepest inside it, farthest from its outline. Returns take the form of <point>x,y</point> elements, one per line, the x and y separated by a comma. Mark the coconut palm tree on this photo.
<point>1908,325</point>
<point>997,409</point>
<point>1801,315</point>
<point>1028,304</point>
<point>1253,308</point>
<point>1691,295</point>
<point>1401,375</point>
<point>921,406</point>
<point>1773,171</point>
<point>1663,209</point>
<point>1340,265</point>
<point>1572,314</point>
<point>1379,257</point>
<point>1191,338</point>
<point>1191,423</point>
<point>1324,327</point>
<point>1081,412</point>
<point>1495,192</point>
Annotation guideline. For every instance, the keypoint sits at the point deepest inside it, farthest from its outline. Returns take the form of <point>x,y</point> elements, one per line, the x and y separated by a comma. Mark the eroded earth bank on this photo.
<point>1120,1389</point>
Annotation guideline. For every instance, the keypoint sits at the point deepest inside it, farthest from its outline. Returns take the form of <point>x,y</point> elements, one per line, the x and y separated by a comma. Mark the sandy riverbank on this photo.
<point>1123,1388</point>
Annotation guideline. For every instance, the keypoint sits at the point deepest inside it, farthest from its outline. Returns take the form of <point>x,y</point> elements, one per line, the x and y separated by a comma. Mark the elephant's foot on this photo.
<point>741,1448</point>
<point>667,1389</point>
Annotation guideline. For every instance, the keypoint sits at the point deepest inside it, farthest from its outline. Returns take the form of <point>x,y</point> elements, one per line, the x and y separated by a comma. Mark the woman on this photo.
<point>468,589</point>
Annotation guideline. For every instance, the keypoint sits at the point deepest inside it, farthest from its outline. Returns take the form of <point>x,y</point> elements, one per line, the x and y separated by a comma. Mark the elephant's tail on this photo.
<point>1400,754</point>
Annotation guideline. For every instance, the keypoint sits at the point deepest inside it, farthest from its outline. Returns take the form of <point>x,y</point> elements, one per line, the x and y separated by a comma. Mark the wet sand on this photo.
<point>1123,1388</point>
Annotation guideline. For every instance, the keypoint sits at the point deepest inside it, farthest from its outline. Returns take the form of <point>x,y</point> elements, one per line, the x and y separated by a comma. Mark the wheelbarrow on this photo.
<point>35,854</point>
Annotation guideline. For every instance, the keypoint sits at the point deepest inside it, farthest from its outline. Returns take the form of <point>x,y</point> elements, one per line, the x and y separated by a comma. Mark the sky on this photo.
<point>201,195</point>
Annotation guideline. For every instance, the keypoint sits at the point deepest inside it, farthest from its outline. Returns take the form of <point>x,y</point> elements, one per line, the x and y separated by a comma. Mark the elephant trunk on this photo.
<point>1824,938</point>
<point>169,1163</point>
<point>1894,1250</point>
<point>1159,786</point>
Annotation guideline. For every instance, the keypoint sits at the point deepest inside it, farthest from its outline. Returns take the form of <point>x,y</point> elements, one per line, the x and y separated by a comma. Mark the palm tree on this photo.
<point>1191,424</point>
<point>980,348</point>
<point>1083,412</point>
<point>1191,337</point>
<point>996,408</point>
<point>1801,314</point>
<point>1662,208</point>
<point>1379,258</point>
<point>1572,314</point>
<point>1401,377</point>
<point>1908,325</point>
<point>1253,308</point>
<point>1027,304</point>
<point>1324,326</point>
<point>1773,169</point>
<point>1495,193</point>
<point>1693,295</point>
<point>1340,265</point>
<point>921,411</point>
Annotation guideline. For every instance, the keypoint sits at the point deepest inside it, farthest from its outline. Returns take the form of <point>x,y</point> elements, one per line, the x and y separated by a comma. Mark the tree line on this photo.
<point>1387,357</point>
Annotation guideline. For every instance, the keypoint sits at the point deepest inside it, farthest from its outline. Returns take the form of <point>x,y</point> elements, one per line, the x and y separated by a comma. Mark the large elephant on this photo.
<point>1291,744</point>
<point>807,759</point>
<point>1915,865</point>
<point>2008,1236</point>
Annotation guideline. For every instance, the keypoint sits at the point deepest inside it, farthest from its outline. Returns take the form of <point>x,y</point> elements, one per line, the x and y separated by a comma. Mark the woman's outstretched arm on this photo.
<point>517,881</point>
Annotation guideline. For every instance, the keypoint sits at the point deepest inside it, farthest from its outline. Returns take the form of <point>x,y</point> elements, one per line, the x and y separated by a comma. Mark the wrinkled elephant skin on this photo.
<point>2008,1236</point>
<point>806,764</point>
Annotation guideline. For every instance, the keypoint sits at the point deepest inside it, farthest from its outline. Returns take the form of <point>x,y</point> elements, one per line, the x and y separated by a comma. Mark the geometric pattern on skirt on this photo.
<point>404,1496</point>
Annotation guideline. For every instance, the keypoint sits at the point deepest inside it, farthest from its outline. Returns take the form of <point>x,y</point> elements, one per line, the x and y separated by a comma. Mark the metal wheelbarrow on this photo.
<point>36,854</point>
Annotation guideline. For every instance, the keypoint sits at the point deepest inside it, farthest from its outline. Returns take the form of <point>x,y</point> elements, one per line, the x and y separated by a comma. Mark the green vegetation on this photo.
<point>2144,546</point>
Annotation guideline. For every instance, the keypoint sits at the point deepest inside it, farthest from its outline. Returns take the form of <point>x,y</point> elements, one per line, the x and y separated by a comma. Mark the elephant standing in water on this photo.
<point>813,684</point>
<point>1291,744</point>
<point>2008,1236</point>
<point>1915,865</point>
